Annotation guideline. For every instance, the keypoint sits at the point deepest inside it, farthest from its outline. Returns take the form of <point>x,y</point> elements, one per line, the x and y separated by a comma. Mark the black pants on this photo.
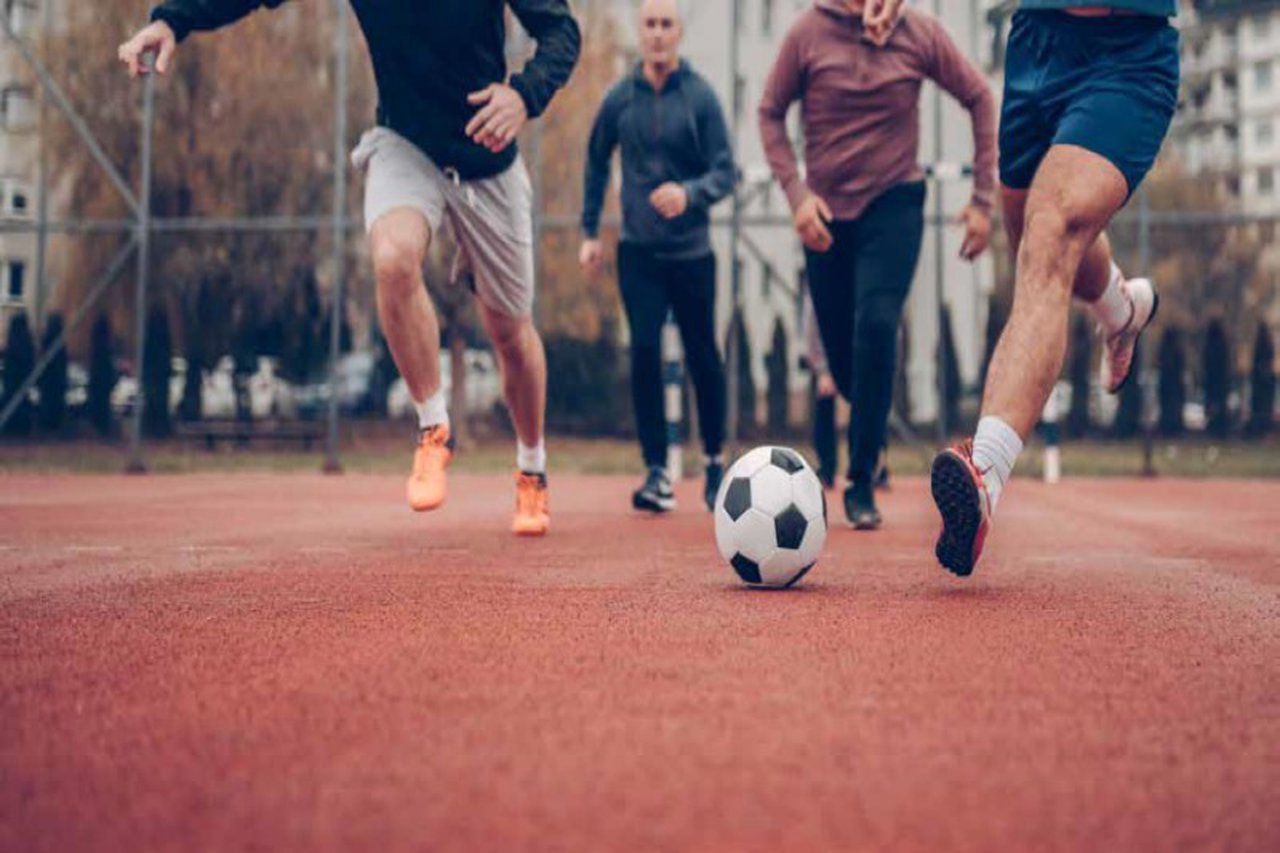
<point>824,436</point>
<point>650,287</point>
<point>859,286</point>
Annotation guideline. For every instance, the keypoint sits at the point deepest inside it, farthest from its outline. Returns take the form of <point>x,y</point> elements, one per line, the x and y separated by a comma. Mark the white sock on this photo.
<point>996,446</point>
<point>1113,309</point>
<point>434,411</point>
<point>532,460</point>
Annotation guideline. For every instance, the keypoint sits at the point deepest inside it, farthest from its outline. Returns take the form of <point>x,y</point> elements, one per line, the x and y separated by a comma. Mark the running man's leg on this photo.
<point>692,291</point>
<point>524,379</point>
<point>403,207</point>
<point>1073,197</point>
<point>831,287</point>
<point>1099,284</point>
<point>398,243</point>
<point>887,248</point>
<point>824,435</point>
<point>693,301</point>
<point>645,300</point>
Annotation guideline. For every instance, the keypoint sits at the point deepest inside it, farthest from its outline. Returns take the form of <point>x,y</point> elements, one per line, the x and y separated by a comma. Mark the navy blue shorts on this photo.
<point>1109,85</point>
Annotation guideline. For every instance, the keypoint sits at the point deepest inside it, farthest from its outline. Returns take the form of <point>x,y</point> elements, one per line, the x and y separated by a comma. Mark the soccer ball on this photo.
<point>771,517</point>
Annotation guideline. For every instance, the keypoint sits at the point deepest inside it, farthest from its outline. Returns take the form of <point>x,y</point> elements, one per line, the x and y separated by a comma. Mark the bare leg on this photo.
<point>398,244</point>
<point>524,371</point>
<point>1075,194</point>
<point>1095,269</point>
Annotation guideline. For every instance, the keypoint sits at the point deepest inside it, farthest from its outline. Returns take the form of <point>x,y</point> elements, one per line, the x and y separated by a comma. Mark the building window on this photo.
<point>1266,181</point>
<point>17,108</point>
<point>15,200</point>
<point>21,15</point>
<point>1262,25</point>
<point>1264,132</point>
<point>16,283</point>
<point>1262,76</point>
<point>766,17</point>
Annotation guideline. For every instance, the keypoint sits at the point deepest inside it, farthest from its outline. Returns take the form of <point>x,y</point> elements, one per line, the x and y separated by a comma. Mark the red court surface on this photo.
<point>298,662</point>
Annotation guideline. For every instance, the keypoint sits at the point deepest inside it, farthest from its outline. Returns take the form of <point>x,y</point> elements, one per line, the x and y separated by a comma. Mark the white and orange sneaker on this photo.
<point>428,487</point>
<point>1117,356</point>
<point>533,511</point>
<point>965,507</point>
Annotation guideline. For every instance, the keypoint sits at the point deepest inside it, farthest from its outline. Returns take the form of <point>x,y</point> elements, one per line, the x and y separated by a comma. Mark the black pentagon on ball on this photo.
<point>737,499</point>
<point>787,460</point>
<point>791,526</point>
<point>746,568</point>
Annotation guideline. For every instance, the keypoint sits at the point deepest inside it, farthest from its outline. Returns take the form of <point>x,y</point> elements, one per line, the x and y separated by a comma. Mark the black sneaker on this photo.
<point>881,480</point>
<point>715,476</point>
<point>656,494</point>
<point>860,507</point>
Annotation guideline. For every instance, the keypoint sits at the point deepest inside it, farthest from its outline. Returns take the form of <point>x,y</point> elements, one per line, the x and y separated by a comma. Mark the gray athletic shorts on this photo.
<point>492,218</point>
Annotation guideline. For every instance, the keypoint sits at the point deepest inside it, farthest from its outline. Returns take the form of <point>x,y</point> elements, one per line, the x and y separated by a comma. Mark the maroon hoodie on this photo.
<point>859,105</point>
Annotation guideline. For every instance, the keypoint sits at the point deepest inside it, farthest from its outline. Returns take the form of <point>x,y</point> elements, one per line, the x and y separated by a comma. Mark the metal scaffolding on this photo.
<point>141,226</point>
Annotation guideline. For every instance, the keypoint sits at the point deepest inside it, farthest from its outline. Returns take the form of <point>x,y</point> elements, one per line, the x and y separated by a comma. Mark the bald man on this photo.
<point>676,164</point>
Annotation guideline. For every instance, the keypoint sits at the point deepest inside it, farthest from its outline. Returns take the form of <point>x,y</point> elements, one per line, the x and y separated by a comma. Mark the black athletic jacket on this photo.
<point>428,55</point>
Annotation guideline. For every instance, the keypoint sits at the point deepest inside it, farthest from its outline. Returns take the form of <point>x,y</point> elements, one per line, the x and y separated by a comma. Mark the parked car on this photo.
<point>269,394</point>
<point>484,385</point>
<point>356,391</point>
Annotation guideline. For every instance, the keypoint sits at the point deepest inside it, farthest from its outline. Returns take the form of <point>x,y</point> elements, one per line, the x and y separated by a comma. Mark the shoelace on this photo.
<point>528,495</point>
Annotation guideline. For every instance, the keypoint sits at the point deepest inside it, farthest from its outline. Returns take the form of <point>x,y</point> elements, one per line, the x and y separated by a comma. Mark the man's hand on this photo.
<point>591,256</point>
<point>811,220</point>
<point>500,120</point>
<point>826,385</point>
<point>977,231</point>
<point>879,18</point>
<point>155,37</point>
<point>670,200</point>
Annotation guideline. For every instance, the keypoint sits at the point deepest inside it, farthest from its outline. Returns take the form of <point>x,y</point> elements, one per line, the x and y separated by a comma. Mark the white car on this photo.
<point>484,385</point>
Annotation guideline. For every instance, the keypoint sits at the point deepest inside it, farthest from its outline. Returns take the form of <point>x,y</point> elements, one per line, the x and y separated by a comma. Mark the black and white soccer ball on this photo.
<point>771,517</point>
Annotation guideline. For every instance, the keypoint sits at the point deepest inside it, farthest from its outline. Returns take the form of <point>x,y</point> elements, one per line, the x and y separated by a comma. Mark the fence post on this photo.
<point>135,463</point>
<point>1147,397</point>
<point>673,386</point>
<point>332,465</point>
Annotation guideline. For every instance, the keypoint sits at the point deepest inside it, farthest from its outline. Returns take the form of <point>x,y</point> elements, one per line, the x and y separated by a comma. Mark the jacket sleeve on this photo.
<point>721,175</point>
<point>186,16</point>
<point>953,71</point>
<point>552,26</point>
<point>604,139</point>
<point>784,86</point>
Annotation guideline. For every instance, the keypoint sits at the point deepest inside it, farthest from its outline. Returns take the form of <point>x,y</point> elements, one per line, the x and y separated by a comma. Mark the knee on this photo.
<point>644,352</point>
<point>397,262</point>
<point>877,332</point>
<point>511,338</point>
<point>1052,237</point>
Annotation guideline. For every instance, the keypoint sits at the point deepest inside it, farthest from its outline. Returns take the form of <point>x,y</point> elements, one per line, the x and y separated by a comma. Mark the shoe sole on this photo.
<point>960,506</point>
<point>531,533</point>
<point>653,504</point>
<point>866,524</point>
<point>1155,309</point>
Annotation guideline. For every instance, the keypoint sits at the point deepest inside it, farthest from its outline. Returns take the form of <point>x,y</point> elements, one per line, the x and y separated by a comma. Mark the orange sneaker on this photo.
<point>533,515</point>
<point>427,487</point>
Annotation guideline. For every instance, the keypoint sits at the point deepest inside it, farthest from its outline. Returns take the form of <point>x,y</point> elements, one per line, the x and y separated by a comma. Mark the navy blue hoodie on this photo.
<point>677,135</point>
<point>428,55</point>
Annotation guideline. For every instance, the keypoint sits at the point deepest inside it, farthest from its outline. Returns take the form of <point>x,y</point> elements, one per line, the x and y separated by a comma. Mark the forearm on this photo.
<point>186,16</point>
<point>982,112</point>
<point>552,25</point>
